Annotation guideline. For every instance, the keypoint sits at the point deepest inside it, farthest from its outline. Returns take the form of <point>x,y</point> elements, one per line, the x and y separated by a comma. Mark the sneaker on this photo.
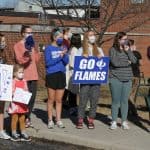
<point>113,125</point>
<point>60,124</point>
<point>79,123</point>
<point>25,137</point>
<point>125,125</point>
<point>4,135</point>
<point>90,123</point>
<point>15,137</point>
<point>50,124</point>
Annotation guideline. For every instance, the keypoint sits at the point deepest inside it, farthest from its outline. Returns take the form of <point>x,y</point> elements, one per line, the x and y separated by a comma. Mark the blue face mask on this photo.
<point>59,41</point>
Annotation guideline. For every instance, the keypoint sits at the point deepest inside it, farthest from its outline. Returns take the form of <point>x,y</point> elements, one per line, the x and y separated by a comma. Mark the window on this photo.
<point>93,13</point>
<point>137,1</point>
<point>30,8</point>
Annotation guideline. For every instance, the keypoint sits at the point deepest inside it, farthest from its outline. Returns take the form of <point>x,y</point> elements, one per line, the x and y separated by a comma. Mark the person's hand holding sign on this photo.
<point>85,55</point>
<point>99,56</point>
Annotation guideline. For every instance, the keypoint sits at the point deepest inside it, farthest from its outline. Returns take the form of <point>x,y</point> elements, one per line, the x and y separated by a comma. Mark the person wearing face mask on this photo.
<point>73,89</point>
<point>18,110</point>
<point>136,76</point>
<point>29,42</point>
<point>120,74</point>
<point>67,34</point>
<point>3,134</point>
<point>27,55</point>
<point>56,59</point>
<point>89,92</point>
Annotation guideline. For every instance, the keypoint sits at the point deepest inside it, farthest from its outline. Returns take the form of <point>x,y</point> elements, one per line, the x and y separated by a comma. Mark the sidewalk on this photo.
<point>101,137</point>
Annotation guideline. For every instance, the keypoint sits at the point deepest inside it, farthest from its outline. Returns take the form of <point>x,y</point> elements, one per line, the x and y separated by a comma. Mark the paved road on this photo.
<point>39,144</point>
<point>137,138</point>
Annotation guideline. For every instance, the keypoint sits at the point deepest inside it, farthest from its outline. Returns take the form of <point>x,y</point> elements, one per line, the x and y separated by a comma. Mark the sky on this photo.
<point>12,3</point>
<point>8,3</point>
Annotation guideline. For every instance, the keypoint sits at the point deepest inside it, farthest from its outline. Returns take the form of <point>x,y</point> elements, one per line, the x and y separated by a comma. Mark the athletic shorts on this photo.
<point>56,80</point>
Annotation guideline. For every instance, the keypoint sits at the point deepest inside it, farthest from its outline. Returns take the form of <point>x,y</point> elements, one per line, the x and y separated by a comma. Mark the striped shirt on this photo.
<point>120,64</point>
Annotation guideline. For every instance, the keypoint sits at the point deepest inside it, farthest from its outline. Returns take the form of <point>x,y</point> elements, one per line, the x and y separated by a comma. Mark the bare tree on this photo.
<point>122,12</point>
<point>126,13</point>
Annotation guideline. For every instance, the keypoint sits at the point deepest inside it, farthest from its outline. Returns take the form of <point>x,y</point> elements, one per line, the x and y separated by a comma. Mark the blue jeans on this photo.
<point>120,92</point>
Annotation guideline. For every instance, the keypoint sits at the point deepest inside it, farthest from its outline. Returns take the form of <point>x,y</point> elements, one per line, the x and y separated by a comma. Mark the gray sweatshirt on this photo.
<point>120,64</point>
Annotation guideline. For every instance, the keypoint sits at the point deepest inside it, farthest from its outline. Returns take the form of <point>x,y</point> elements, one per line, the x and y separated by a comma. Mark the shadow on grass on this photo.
<point>132,116</point>
<point>135,118</point>
<point>42,114</point>
<point>138,121</point>
<point>104,106</point>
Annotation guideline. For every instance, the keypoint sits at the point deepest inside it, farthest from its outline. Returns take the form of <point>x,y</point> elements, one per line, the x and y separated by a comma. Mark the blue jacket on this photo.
<point>53,61</point>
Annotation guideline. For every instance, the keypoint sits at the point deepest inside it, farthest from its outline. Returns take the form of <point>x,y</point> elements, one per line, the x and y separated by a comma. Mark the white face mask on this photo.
<point>2,46</point>
<point>20,75</point>
<point>69,35</point>
<point>92,39</point>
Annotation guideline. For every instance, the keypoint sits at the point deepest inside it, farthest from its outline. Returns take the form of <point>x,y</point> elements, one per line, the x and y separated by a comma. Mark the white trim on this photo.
<point>36,28</point>
<point>47,28</point>
<point>130,33</point>
<point>16,28</point>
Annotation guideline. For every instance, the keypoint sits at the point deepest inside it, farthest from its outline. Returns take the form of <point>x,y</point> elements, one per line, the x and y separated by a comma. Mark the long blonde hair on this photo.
<point>85,45</point>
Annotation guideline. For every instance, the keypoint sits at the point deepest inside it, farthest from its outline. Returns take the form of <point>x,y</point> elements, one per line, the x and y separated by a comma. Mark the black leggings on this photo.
<point>72,99</point>
<point>32,87</point>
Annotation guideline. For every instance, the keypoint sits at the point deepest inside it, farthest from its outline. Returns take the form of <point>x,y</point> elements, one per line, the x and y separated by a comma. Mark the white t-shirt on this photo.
<point>73,52</point>
<point>90,52</point>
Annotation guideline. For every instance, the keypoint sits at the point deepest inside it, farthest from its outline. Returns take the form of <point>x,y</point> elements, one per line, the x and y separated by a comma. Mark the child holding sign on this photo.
<point>17,110</point>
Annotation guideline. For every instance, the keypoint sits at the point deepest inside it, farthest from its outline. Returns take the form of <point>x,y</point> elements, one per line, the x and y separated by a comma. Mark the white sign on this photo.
<point>21,96</point>
<point>6,77</point>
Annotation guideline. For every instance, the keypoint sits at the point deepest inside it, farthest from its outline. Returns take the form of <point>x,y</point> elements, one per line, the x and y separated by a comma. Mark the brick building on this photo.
<point>10,23</point>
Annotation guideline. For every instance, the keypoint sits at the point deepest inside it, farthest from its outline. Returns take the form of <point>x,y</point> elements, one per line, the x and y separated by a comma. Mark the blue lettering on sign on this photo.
<point>91,70</point>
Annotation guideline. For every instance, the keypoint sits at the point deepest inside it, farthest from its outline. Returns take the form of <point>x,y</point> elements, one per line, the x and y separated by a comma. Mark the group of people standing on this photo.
<point>59,57</point>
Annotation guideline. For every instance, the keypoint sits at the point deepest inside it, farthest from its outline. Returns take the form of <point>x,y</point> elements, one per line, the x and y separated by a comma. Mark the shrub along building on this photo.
<point>137,25</point>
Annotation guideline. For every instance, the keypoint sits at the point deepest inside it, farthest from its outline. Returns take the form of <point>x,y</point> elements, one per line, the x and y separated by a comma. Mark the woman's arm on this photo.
<point>116,61</point>
<point>21,56</point>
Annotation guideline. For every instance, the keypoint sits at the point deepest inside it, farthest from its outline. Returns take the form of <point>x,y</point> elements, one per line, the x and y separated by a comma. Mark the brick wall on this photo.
<point>13,37</point>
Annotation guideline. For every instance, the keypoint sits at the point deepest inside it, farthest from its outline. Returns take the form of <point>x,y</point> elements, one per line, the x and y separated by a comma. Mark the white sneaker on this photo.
<point>50,124</point>
<point>4,135</point>
<point>125,126</point>
<point>113,125</point>
<point>60,124</point>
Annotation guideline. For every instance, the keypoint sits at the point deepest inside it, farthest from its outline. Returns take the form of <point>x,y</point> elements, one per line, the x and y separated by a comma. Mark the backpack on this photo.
<point>148,52</point>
